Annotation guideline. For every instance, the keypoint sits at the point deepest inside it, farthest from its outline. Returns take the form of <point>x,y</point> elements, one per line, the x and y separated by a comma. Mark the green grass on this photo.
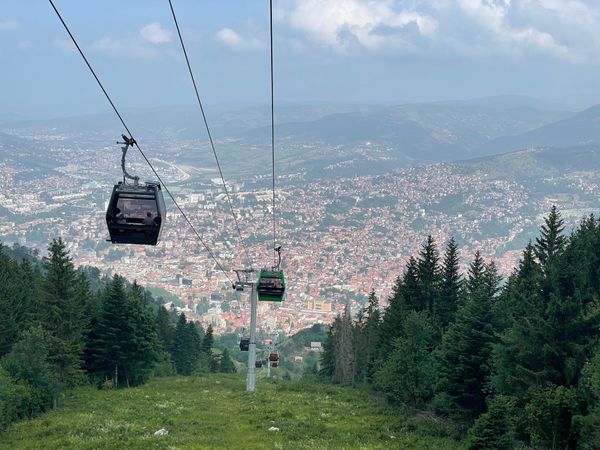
<point>216,412</point>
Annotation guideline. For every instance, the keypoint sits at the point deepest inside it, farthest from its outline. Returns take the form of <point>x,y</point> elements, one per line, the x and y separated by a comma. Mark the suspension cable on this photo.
<point>272,126</point>
<point>212,145</point>
<point>137,146</point>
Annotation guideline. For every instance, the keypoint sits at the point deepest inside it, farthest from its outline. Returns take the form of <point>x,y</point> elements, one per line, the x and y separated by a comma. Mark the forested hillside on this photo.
<point>510,363</point>
<point>61,327</point>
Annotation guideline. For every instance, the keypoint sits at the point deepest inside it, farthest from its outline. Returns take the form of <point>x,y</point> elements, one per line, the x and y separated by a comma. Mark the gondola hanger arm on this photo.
<point>127,142</point>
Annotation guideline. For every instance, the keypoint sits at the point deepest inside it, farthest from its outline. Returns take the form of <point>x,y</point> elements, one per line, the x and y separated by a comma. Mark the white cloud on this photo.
<point>65,45</point>
<point>9,25</point>
<point>144,45</point>
<point>373,23</point>
<point>155,34</point>
<point>235,41</point>
<point>567,30</point>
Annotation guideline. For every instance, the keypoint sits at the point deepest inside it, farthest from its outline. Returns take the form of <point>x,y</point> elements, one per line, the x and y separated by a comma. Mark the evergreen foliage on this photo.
<point>186,346</point>
<point>366,339</point>
<point>29,363</point>
<point>61,312</point>
<point>125,340</point>
<point>408,375</point>
<point>465,352</point>
<point>493,430</point>
<point>450,286</point>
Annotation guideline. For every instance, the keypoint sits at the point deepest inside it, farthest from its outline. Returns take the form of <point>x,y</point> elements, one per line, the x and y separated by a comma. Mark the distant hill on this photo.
<point>581,129</point>
<point>464,124</point>
<point>536,163</point>
<point>421,132</point>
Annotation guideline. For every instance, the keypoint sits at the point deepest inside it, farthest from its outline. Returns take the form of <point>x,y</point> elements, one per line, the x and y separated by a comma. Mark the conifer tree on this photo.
<point>390,323</point>
<point>450,286</point>
<point>408,376</point>
<point>327,359</point>
<point>371,334</point>
<point>344,349</point>
<point>61,312</point>
<point>141,345</point>
<point>551,242</point>
<point>428,276</point>
<point>185,351</point>
<point>464,355</point>
<point>226,364</point>
<point>494,429</point>
<point>29,362</point>
<point>165,329</point>
<point>9,288</point>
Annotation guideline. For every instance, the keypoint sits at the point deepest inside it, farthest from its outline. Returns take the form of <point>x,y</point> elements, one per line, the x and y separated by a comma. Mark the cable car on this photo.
<point>271,285</point>
<point>244,344</point>
<point>258,364</point>
<point>135,214</point>
<point>274,356</point>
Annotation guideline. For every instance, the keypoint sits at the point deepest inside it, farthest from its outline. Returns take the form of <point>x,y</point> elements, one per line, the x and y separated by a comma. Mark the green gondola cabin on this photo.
<point>271,286</point>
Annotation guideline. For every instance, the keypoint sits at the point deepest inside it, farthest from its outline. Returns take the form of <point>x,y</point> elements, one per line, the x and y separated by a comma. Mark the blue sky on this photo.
<point>325,50</point>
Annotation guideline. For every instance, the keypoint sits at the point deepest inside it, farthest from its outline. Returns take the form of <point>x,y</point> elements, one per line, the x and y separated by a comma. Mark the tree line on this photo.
<point>510,363</point>
<point>61,327</point>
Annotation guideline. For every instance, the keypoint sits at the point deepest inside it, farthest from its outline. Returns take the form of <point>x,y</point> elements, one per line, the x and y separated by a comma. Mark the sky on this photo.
<point>357,51</point>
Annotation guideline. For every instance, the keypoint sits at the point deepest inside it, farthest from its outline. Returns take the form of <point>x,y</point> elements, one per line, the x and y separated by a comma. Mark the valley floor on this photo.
<point>215,412</point>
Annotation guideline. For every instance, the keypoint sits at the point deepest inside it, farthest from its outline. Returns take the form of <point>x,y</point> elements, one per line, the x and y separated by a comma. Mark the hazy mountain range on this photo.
<point>358,138</point>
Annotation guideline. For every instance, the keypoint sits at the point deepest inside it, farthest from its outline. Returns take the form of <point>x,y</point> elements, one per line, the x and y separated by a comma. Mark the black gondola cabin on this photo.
<point>244,344</point>
<point>136,214</point>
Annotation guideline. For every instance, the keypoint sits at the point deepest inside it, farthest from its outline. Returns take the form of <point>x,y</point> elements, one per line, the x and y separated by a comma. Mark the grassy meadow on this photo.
<point>215,412</point>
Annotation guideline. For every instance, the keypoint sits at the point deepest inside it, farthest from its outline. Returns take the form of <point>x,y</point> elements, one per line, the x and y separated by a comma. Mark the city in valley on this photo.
<point>343,235</point>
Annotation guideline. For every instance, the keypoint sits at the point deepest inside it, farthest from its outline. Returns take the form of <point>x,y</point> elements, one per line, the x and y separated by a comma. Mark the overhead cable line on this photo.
<point>212,144</point>
<point>136,144</point>
<point>273,131</point>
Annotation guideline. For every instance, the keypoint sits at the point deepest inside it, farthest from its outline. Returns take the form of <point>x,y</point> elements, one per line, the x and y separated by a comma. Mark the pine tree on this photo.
<point>408,376</point>
<point>450,286</point>
<point>494,429</point>
<point>475,279</point>
<point>390,323</point>
<point>165,329</point>
<point>428,276</point>
<point>465,351</point>
<point>344,350</point>
<point>371,335</point>
<point>551,242</point>
<point>185,353</point>
<point>9,288</point>
<point>61,312</point>
<point>226,364</point>
<point>141,346</point>
<point>405,297</point>
<point>105,355</point>
<point>327,359</point>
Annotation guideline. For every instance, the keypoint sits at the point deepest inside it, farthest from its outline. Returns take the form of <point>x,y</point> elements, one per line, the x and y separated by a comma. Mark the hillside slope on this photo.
<point>581,129</point>
<point>215,412</point>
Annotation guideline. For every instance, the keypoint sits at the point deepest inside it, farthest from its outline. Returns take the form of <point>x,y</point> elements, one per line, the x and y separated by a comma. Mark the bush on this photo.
<point>494,429</point>
<point>15,400</point>
<point>28,363</point>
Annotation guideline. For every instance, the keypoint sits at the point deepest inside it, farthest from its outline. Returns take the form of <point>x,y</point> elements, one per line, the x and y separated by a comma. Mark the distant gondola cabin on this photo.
<point>271,286</point>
